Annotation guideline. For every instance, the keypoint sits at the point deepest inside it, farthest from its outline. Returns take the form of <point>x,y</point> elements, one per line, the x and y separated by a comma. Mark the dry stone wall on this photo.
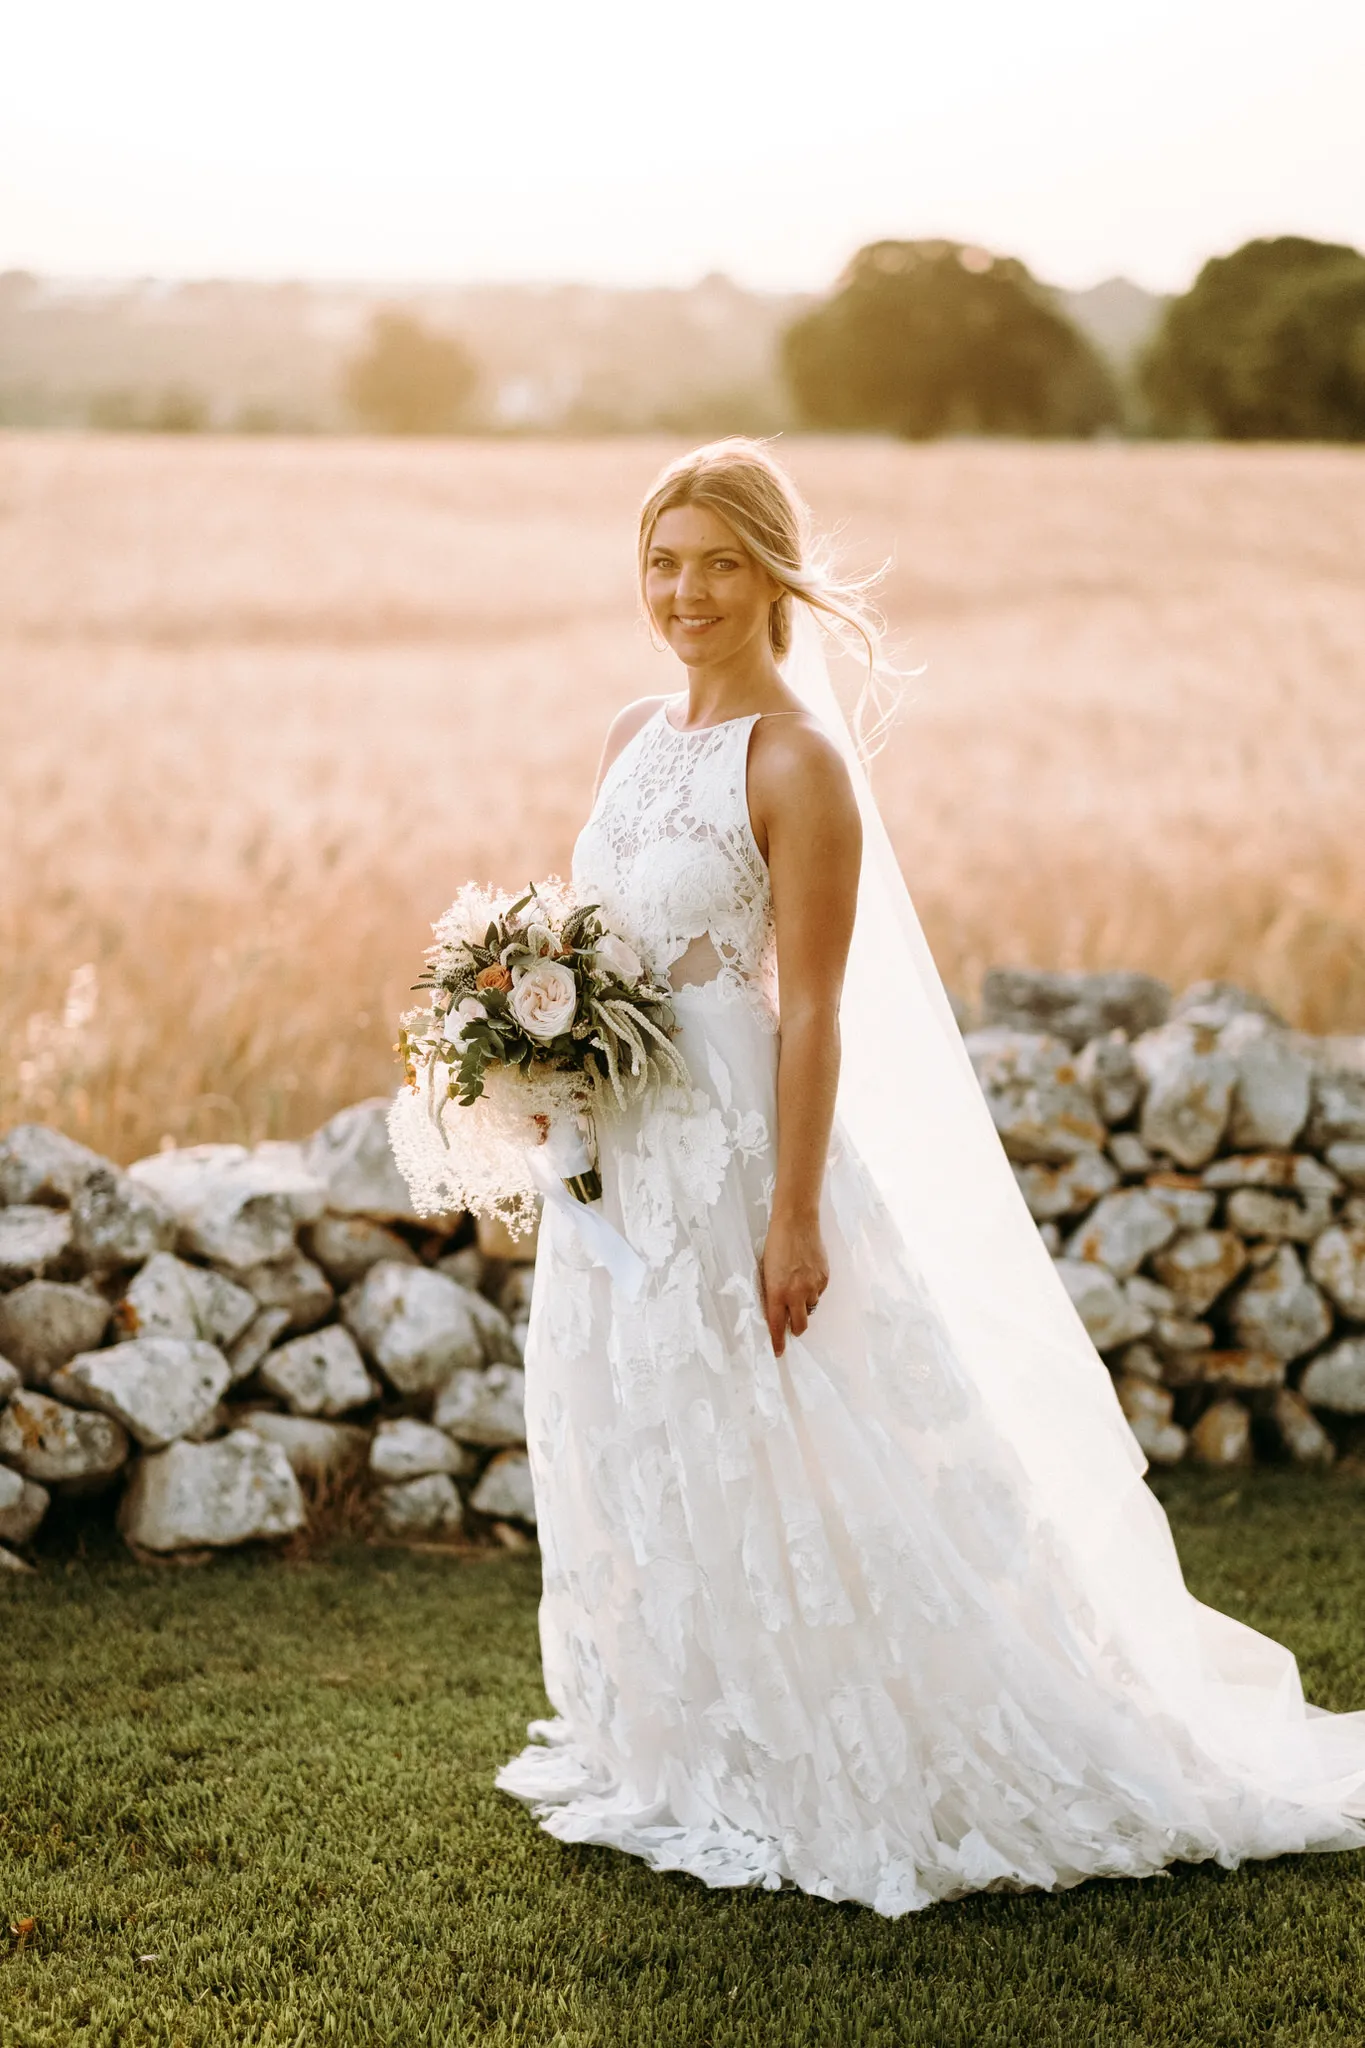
<point>217,1336</point>
<point>1197,1170</point>
<point>217,1339</point>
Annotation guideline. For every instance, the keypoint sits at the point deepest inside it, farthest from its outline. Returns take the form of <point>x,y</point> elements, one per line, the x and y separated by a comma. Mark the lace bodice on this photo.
<point>670,854</point>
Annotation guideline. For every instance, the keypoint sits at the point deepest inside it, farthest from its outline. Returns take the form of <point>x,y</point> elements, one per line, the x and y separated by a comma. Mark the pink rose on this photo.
<point>544,998</point>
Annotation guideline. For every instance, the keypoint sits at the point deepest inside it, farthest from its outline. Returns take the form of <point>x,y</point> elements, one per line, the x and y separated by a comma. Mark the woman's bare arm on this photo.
<point>805,817</point>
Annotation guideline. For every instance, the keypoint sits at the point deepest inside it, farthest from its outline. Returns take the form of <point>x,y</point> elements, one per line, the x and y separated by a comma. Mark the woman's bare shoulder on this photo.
<point>623,729</point>
<point>798,781</point>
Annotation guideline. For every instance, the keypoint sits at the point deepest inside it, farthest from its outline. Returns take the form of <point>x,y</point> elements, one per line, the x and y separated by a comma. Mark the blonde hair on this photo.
<point>741,481</point>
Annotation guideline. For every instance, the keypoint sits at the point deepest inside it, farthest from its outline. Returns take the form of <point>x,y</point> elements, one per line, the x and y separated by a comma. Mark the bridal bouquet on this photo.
<point>537,1013</point>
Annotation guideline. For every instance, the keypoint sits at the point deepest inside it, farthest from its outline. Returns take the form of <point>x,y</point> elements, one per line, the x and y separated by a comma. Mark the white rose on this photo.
<point>544,998</point>
<point>616,957</point>
<point>467,1011</point>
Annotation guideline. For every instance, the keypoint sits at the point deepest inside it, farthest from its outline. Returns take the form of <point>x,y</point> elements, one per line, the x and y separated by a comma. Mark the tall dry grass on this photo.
<point>264,705</point>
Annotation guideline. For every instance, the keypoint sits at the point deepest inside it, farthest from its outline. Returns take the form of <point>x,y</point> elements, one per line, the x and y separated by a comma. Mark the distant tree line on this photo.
<point>933,337</point>
<point>919,339</point>
<point>1267,345</point>
<point>927,338</point>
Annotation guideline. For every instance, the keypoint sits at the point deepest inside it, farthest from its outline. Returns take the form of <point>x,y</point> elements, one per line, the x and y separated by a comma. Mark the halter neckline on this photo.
<point>687,732</point>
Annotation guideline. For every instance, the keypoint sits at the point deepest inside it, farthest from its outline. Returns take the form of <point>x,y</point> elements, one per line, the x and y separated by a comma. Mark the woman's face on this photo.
<point>706,594</point>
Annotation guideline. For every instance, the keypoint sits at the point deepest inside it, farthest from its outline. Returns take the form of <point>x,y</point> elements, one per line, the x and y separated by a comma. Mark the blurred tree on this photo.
<point>925,338</point>
<point>408,379</point>
<point>1267,344</point>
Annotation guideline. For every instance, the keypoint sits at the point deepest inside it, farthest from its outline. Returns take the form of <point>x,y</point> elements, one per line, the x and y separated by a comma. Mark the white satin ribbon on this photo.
<point>602,1240</point>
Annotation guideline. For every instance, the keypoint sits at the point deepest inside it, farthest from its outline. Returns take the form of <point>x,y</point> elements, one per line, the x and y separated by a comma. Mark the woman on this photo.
<point>850,1580</point>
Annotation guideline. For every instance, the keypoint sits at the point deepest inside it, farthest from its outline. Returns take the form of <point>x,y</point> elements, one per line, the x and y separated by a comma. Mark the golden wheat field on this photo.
<point>266,703</point>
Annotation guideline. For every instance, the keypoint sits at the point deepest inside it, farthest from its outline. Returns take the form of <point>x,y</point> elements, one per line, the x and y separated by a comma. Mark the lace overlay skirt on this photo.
<point>795,1628</point>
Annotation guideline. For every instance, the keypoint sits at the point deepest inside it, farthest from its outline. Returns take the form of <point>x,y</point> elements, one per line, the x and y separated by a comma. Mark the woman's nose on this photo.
<point>692,581</point>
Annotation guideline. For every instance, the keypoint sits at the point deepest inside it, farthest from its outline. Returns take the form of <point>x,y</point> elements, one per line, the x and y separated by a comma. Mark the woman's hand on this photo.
<point>795,1273</point>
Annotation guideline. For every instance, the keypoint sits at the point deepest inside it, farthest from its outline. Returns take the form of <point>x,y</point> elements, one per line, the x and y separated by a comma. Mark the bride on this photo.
<point>851,1580</point>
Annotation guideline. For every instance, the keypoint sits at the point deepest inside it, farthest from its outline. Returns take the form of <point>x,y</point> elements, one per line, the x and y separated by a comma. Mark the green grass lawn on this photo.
<point>253,1803</point>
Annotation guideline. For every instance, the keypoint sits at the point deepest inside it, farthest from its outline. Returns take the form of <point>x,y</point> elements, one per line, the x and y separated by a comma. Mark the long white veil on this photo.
<point>911,1105</point>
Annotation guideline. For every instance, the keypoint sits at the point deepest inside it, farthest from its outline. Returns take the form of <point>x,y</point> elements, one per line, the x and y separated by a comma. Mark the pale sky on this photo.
<point>629,141</point>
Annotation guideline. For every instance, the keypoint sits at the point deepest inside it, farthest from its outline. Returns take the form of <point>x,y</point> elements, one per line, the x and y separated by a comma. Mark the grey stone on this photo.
<point>1199,1266</point>
<point>1337,1263</point>
<point>45,1322</point>
<point>23,1503</point>
<point>53,1443</point>
<point>505,1491</point>
<point>1279,1309</point>
<point>1182,1334</point>
<point>1273,1088</point>
<point>417,1326</point>
<point>1299,1430</point>
<point>1335,1379</point>
<point>294,1284</point>
<point>11,1379</point>
<point>32,1238</point>
<point>320,1374</point>
<point>347,1246</point>
<point>1242,1372</point>
<point>1148,1409</point>
<point>1255,1212</point>
<point>1288,1172</point>
<point>1224,1000</point>
<point>1123,1230</point>
<point>1140,1362</point>
<point>1189,1208</point>
<point>1052,1239</point>
<point>115,1222</point>
<point>255,1341</point>
<point>1189,1091</point>
<point>499,1342</point>
<point>1150,1294</point>
<point>315,1449</point>
<point>235,1490</point>
<point>486,1408</point>
<point>232,1206</point>
<point>407,1449</point>
<point>1222,1435</point>
<point>469,1267</point>
<point>1035,1097</point>
<point>1107,1068</point>
<point>159,1388</point>
<point>41,1165</point>
<point>171,1298</point>
<point>428,1506</point>
<point>214,1422</point>
<point>353,1159</point>
<point>1347,1158</point>
<point>1074,1007</point>
<point>1338,1113</point>
<point>1110,1318</point>
<point>1053,1191</point>
<point>1130,1155</point>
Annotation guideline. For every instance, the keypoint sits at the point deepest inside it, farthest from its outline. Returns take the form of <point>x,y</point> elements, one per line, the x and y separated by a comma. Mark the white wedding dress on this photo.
<point>807,1619</point>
